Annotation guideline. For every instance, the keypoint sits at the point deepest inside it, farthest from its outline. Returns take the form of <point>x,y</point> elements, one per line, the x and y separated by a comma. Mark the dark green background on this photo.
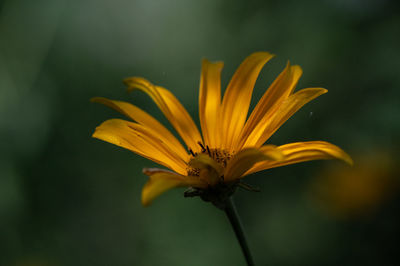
<point>68,199</point>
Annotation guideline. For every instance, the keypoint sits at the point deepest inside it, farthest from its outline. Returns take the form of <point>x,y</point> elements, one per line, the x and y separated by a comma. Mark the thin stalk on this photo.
<point>231,212</point>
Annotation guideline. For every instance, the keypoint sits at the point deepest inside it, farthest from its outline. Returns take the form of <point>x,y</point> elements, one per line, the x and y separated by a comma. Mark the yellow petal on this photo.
<point>210,170</point>
<point>270,102</point>
<point>246,158</point>
<point>291,105</point>
<point>172,109</point>
<point>236,101</point>
<point>161,181</point>
<point>304,151</point>
<point>210,102</point>
<point>148,121</point>
<point>138,139</point>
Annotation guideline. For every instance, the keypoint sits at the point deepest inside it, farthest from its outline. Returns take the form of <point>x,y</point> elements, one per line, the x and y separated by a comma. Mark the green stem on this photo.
<point>231,212</point>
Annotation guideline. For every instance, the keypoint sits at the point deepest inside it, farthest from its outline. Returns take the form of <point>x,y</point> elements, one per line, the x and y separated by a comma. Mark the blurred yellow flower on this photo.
<point>345,192</point>
<point>229,147</point>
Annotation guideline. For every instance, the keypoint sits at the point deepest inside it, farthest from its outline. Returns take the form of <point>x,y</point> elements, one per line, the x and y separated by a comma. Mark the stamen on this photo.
<point>202,146</point>
<point>208,150</point>
<point>191,152</point>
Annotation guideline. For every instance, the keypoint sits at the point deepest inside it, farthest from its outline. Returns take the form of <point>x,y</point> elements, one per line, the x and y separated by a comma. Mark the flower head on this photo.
<point>230,147</point>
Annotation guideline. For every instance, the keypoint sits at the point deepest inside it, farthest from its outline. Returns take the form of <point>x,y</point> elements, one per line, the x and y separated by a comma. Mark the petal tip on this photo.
<point>94,99</point>
<point>205,61</point>
<point>266,56</point>
<point>146,202</point>
<point>263,53</point>
<point>136,81</point>
<point>298,69</point>
<point>127,81</point>
<point>146,171</point>
<point>96,134</point>
<point>347,159</point>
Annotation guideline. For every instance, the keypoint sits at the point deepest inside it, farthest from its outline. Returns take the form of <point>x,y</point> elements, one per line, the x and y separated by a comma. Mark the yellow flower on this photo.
<point>229,147</point>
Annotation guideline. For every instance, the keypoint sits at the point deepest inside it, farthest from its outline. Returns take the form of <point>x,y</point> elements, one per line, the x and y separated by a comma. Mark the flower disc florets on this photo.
<point>218,190</point>
<point>220,156</point>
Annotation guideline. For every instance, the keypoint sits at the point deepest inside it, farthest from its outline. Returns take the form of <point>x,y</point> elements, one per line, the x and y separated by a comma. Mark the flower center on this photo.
<point>220,156</point>
<point>217,192</point>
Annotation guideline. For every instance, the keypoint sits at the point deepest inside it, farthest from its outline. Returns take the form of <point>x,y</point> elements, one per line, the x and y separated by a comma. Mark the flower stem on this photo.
<point>233,216</point>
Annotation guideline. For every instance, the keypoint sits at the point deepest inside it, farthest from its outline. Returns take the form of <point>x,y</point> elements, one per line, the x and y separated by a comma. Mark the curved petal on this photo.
<point>291,105</point>
<point>161,181</point>
<point>236,101</point>
<point>172,109</point>
<point>246,158</point>
<point>209,170</point>
<point>304,151</point>
<point>138,139</point>
<point>210,102</point>
<point>272,99</point>
<point>148,121</point>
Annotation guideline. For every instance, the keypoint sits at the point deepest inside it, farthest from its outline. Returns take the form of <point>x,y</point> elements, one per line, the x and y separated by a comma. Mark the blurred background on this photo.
<point>68,199</point>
